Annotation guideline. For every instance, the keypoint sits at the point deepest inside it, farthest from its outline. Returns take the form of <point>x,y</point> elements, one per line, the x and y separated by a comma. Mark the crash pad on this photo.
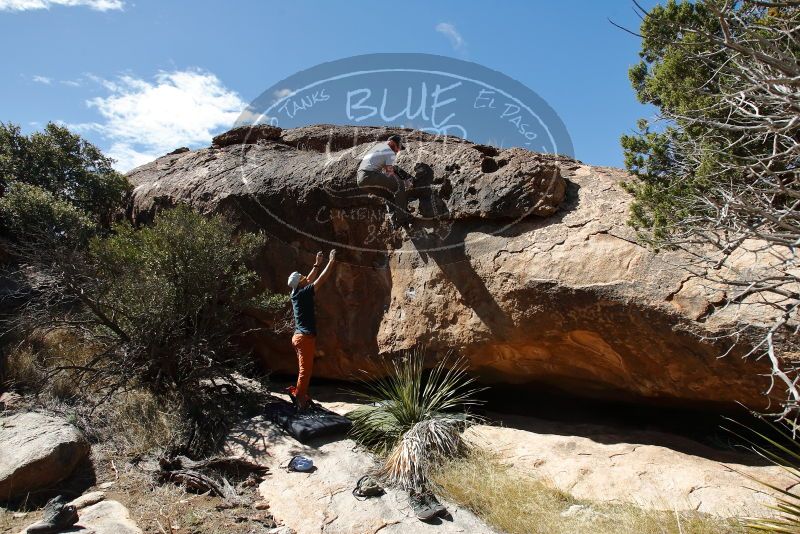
<point>304,426</point>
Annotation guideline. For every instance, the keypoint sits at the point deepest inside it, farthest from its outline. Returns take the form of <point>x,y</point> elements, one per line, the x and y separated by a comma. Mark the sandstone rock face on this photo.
<point>37,452</point>
<point>647,468</point>
<point>521,262</point>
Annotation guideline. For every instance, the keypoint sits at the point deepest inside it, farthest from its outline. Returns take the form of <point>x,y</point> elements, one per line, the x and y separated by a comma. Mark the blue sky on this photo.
<point>141,77</point>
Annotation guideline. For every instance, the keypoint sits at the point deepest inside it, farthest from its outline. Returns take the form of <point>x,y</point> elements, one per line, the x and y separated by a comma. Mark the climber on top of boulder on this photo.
<point>377,174</point>
<point>304,339</point>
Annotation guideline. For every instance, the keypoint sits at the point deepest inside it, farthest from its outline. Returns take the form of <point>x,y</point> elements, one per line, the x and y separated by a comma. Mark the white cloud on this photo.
<point>126,157</point>
<point>26,5</point>
<point>143,120</point>
<point>450,31</point>
<point>250,117</point>
<point>42,79</point>
<point>282,93</point>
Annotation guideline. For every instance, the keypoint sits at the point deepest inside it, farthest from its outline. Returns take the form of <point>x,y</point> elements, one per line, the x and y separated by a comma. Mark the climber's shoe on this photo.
<point>434,503</point>
<point>58,516</point>
<point>421,507</point>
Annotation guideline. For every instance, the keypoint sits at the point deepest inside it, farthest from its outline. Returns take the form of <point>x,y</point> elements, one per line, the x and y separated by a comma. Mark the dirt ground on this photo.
<point>157,508</point>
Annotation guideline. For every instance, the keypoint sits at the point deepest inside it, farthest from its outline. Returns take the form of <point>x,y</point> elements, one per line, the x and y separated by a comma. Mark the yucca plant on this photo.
<point>415,419</point>
<point>426,445</point>
<point>782,449</point>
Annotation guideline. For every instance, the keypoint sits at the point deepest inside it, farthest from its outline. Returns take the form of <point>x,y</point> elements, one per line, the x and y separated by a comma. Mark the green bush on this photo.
<point>705,65</point>
<point>270,302</point>
<point>161,307</point>
<point>171,293</point>
<point>60,162</point>
<point>158,310</point>
<point>35,216</point>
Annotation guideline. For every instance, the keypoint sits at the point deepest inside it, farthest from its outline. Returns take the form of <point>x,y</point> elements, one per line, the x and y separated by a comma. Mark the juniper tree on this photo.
<point>717,171</point>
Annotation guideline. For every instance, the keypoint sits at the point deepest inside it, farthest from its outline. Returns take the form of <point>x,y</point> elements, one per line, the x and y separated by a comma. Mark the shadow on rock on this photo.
<point>83,478</point>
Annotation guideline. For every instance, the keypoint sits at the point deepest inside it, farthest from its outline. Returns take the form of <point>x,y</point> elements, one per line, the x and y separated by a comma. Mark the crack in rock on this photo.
<point>385,525</point>
<point>623,453</point>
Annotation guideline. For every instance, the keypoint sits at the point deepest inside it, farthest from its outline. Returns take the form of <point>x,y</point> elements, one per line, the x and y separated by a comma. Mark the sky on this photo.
<point>139,78</point>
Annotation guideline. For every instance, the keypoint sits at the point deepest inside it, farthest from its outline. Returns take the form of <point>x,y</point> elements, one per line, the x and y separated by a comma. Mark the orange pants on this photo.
<point>304,345</point>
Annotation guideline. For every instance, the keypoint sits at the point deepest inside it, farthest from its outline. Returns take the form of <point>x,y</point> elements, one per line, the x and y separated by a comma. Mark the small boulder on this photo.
<point>88,499</point>
<point>247,135</point>
<point>107,517</point>
<point>104,517</point>
<point>38,452</point>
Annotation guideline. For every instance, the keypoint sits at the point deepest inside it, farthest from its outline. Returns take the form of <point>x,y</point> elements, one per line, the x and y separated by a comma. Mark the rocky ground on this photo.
<point>120,497</point>
<point>116,493</point>
<point>322,501</point>
<point>650,469</point>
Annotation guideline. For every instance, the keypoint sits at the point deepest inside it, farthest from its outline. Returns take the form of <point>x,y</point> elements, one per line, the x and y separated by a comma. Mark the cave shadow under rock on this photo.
<point>685,431</point>
<point>607,422</point>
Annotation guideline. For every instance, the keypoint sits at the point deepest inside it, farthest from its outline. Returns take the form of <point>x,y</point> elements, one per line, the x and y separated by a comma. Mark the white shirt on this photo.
<point>377,158</point>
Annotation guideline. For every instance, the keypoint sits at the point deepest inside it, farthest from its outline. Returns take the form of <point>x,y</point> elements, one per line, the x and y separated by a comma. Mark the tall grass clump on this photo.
<point>415,419</point>
<point>777,443</point>
<point>512,502</point>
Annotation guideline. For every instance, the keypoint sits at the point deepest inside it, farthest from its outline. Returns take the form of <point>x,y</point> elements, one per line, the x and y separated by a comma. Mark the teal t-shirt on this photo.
<point>305,322</point>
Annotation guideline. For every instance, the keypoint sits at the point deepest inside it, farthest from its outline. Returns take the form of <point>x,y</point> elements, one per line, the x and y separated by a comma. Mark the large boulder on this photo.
<point>38,452</point>
<point>521,262</point>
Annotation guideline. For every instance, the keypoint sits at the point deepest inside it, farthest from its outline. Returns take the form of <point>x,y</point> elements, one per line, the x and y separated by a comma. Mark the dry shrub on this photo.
<point>134,421</point>
<point>413,418</point>
<point>425,445</point>
<point>23,372</point>
<point>45,363</point>
<point>518,504</point>
<point>137,422</point>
